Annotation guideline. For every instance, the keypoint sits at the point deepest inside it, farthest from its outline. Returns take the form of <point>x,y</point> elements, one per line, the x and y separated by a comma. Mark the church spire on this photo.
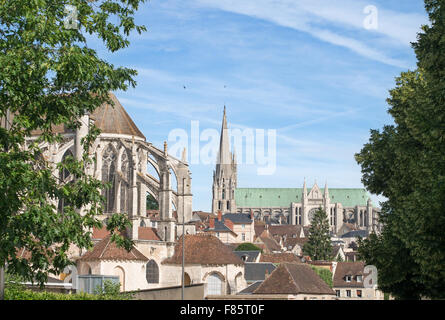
<point>224,156</point>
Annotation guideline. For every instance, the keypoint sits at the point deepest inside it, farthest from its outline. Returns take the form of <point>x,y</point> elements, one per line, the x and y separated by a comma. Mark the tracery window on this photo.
<point>152,272</point>
<point>109,176</point>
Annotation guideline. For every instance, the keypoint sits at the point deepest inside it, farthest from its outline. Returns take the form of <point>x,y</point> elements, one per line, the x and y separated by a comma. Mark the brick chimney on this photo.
<point>212,223</point>
<point>266,274</point>
<point>228,223</point>
<point>251,214</point>
<point>219,215</point>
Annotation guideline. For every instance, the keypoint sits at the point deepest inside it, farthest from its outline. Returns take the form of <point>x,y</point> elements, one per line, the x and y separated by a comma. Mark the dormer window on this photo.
<point>348,278</point>
<point>359,278</point>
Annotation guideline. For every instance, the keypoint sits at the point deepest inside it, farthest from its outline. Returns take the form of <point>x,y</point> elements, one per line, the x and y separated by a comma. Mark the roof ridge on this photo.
<point>293,280</point>
<point>106,246</point>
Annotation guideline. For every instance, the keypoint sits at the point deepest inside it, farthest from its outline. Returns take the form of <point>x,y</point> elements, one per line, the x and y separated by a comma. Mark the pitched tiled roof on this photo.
<point>203,249</point>
<point>109,119</point>
<point>348,268</point>
<point>257,271</point>
<point>294,278</point>
<point>108,250</point>
<point>270,244</point>
<point>355,234</point>
<point>279,257</point>
<point>250,289</point>
<point>288,230</point>
<point>292,242</point>
<point>147,233</point>
<point>100,233</point>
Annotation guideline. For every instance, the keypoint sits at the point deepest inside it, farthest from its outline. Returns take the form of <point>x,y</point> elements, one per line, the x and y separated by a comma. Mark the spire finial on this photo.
<point>165,147</point>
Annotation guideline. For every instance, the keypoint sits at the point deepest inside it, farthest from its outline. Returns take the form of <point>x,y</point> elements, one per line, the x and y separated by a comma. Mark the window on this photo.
<point>152,272</point>
<point>337,292</point>
<point>228,205</point>
<point>243,226</point>
<point>348,278</point>
<point>359,278</point>
<point>243,237</point>
<point>359,293</point>
<point>214,284</point>
<point>348,293</point>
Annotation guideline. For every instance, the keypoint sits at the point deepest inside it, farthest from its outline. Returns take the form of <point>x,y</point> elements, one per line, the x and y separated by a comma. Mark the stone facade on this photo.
<point>288,205</point>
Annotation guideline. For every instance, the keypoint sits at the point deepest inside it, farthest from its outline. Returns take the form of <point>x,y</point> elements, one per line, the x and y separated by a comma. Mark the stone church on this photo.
<point>122,158</point>
<point>347,208</point>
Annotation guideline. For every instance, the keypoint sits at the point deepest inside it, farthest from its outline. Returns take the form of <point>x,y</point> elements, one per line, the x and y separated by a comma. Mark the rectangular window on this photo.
<point>243,226</point>
<point>348,278</point>
<point>359,278</point>
<point>359,293</point>
<point>243,236</point>
<point>337,292</point>
<point>348,293</point>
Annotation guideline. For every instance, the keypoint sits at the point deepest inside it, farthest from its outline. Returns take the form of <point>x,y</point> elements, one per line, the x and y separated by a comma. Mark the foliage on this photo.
<point>324,274</point>
<point>16,291</point>
<point>50,77</point>
<point>318,246</point>
<point>152,204</point>
<point>405,162</point>
<point>247,246</point>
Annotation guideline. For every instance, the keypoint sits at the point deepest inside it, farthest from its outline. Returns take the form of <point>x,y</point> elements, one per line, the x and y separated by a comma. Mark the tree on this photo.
<point>318,246</point>
<point>247,246</point>
<point>405,162</point>
<point>50,77</point>
<point>152,204</point>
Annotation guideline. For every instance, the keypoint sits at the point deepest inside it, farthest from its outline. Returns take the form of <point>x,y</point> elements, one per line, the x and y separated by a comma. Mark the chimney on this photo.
<point>212,223</point>
<point>228,223</point>
<point>219,215</point>
<point>251,214</point>
<point>266,274</point>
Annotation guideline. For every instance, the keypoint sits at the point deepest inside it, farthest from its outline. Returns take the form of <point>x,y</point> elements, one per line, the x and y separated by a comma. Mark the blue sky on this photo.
<point>308,69</point>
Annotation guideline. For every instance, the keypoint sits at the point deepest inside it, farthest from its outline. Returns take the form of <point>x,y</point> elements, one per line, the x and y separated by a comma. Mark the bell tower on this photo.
<point>224,175</point>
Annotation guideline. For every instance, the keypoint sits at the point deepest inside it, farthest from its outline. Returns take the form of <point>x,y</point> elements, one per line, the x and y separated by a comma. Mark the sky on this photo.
<point>315,71</point>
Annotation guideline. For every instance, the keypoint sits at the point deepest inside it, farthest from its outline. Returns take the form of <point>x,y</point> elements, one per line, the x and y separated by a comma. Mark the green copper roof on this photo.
<point>282,197</point>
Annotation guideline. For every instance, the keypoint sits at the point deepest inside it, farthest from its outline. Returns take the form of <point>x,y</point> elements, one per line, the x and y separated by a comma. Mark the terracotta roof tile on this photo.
<point>100,233</point>
<point>293,278</point>
<point>107,250</point>
<point>279,257</point>
<point>203,249</point>
<point>147,233</point>
<point>348,268</point>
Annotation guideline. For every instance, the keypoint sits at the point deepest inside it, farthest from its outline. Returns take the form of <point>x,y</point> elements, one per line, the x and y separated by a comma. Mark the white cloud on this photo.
<point>308,16</point>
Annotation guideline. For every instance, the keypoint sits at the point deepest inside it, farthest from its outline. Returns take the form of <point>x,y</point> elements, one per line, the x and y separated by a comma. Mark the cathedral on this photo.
<point>348,209</point>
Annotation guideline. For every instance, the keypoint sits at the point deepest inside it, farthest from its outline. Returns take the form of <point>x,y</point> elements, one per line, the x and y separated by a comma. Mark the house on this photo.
<point>348,282</point>
<point>295,281</point>
<point>207,260</point>
<point>338,254</point>
<point>232,228</point>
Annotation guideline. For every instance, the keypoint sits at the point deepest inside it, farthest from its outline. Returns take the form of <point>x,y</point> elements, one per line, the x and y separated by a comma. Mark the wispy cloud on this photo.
<point>312,16</point>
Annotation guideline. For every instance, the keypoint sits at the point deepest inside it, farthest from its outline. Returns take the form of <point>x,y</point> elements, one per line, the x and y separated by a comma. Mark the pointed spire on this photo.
<point>224,156</point>
<point>326,188</point>
<point>184,155</point>
<point>165,148</point>
<point>304,188</point>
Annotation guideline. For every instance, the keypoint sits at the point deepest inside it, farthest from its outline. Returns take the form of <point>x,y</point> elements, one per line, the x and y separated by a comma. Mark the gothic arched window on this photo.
<point>214,284</point>
<point>152,272</point>
<point>64,177</point>
<point>125,183</point>
<point>109,176</point>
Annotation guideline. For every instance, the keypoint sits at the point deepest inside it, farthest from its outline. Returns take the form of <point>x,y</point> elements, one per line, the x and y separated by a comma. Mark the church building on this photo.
<point>347,208</point>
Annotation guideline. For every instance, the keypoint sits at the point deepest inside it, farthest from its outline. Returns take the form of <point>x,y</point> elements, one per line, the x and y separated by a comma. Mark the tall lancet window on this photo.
<point>109,176</point>
<point>64,178</point>
<point>125,183</point>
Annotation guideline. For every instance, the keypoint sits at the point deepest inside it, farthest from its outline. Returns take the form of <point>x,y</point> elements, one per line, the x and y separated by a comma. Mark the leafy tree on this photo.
<point>247,246</point>
<point>50,77</point>
<point>152,204</point>
<point>318,246</point>
<point>405,162</point>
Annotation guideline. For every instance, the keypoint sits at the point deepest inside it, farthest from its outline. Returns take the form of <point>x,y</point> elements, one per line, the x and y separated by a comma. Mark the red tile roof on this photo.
<point>100,233</point>
<point>107,250</point>
<point>148,233</point>
<point>293,278</point>
<point>279,257</point>
<point>203,249</point>
<point>349,268</point>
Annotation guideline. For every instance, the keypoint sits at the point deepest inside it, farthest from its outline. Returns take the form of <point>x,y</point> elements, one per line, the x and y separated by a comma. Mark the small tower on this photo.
<point>224,176</point>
